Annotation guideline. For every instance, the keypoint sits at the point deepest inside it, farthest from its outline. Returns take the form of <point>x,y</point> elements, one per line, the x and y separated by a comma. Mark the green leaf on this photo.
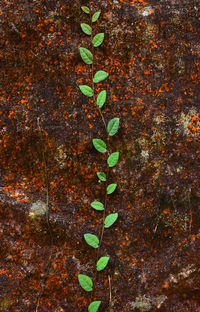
<point>110,219</point>
<point>111,188</point>
<point>86,55</point>
<point>113,126</point>
<point>87,29</point>
<point>97,205</point>
<point>98,39</point>
<point>92,240</point>
<point>85,9</point>
<point>94,306</point>
<point>100,145</point>
<point>113,159</point>
<point>95,16</point>
<point>99,76</point>
<point>102,263</point>
<point>101,98</point>
<point>85,282</point>
<point>86,90</point>
<point>101,176</point>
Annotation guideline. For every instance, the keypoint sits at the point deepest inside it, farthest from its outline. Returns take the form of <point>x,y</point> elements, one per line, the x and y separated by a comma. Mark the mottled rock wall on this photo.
<point>151,52</point>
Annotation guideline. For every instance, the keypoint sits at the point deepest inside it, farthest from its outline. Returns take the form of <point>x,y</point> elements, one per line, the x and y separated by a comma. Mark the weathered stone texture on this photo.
<point>151,52</point>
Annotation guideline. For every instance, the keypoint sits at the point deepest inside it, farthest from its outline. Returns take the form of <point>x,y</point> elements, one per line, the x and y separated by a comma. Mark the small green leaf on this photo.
<point>92,240</point>
<point>113,159</point>
<point>100,145</point>
<point>99,76</point>
<point>102,263</point>
<point>86,90</point>
<point>98,39</point>
<point>101,98</point>
<point>95,16</point>
<point>113,126</point>
<point>94,306</point>
<point>86,55</point>
<point>110,219</point>
<point>87,29</point>
<point>97,205</point>
<point>101,176</point>
<point>111,188</point>
<point>85,282</point>
<point>85,9</point>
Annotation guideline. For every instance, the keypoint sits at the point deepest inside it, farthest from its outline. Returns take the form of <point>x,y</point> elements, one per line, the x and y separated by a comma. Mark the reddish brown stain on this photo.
<point>151,53</point>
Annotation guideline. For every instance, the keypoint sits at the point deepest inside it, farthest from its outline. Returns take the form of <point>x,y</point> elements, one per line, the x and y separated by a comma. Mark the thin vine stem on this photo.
<point>107,175</point>
<point>112,158</point>
<point>105,201</point>
<point>110,293</point>
<point>43,282</point>
<point>99,110</point>
<point>105,206</point>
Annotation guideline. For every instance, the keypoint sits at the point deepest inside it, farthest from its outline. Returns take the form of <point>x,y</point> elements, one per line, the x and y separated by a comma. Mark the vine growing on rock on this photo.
<point>101,146</point>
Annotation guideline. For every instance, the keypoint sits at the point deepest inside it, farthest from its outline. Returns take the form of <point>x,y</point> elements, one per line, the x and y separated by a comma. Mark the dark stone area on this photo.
<point>151,51</point>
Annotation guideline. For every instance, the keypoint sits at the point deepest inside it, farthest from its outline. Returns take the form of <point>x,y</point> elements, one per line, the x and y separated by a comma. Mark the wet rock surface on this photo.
<point>151,52</point>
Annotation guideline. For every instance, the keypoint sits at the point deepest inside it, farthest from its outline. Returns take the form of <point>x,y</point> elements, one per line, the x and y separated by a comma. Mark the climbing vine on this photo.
<point>102,147</point>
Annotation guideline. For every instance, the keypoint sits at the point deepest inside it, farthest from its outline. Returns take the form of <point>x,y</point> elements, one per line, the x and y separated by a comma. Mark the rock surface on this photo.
<point>151,52</point>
